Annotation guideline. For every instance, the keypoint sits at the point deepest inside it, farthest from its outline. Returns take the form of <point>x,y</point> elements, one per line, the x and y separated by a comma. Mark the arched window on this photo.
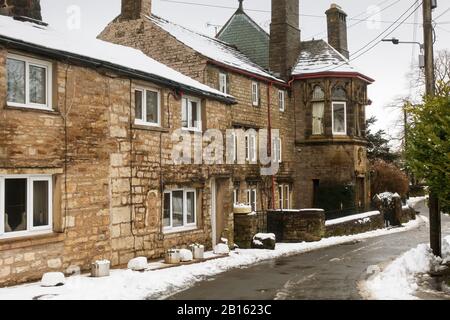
<point>318,94</point>
<point>318,111</point>
<point>339,110</point>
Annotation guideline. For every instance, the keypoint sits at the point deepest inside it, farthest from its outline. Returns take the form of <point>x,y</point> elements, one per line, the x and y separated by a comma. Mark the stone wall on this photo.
<point>245,228</point>
<point>355,226</point>
<point>108,177</point>
<point>296,225</point>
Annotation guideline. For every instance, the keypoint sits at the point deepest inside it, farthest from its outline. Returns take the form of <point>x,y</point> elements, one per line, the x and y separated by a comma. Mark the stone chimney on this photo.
<point>25,8</point>
<point>284,37</point>
<point>135,9</point>
<point>337,29</point>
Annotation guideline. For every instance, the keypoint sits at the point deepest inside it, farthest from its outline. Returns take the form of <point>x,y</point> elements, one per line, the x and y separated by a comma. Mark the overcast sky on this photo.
<point>386,63</point>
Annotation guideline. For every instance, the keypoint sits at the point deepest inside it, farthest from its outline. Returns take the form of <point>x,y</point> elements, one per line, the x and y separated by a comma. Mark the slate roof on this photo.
<point>318,56</point>
<point>212,48</point>
<point>46,40</point>
<point>244,33</point>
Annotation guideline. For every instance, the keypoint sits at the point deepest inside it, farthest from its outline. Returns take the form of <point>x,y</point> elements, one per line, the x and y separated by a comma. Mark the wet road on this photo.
<point>330,273</point>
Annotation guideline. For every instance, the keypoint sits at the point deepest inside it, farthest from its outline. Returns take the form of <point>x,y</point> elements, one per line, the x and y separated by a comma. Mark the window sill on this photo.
<point>191,129</point>
<point>179,230</point>
<point>23,241</point>
<point>148,127</point>
<point>31,109</point>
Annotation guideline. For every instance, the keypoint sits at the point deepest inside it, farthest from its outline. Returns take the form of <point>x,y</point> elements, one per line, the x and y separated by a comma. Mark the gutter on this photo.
<point>96,63</point>
<point>250,74</point>
<point>329,74</point>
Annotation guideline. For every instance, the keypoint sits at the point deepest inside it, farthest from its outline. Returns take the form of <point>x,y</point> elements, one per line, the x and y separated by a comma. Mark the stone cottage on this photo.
<point>86,163</point>
<point>307,89</point>
<point>87,169</point>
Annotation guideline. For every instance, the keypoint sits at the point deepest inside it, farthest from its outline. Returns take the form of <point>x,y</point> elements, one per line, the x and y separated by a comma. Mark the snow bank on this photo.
<point>264,236</point>
<point>131,285</point>
<point>362,216</point>
<point>53,279</point>
<point>221,248</point>
<point>138,264</point>
<point>412,202</point>
<point>399,280</point>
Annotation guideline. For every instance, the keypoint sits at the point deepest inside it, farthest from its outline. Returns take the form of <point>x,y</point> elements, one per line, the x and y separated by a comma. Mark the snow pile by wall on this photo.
<point>399,280</point>
<point>361,216</point>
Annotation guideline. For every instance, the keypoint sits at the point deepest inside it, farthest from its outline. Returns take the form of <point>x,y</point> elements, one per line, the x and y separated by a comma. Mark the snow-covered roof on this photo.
<point>211,48</point>
<point>318,56</point>
<point>40,36</point>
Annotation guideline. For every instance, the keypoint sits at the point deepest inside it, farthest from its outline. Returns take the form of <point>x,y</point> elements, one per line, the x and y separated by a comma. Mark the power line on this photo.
<point>372,44</point>
<point>265,11</point>
<point>360,14</point>
<point>448,9</point>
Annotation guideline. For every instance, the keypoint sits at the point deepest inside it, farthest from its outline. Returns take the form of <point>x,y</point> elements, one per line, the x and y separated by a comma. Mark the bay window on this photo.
<point>318,111</point>
<point>25,205</point>
<point>179,209</point>
<point>147,107</point>
<point>29,82</point>
<point>191,114</point>
<point>339,113</point>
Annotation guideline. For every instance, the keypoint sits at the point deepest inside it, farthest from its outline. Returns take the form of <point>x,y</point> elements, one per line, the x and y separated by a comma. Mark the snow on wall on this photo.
<point>365,217</point>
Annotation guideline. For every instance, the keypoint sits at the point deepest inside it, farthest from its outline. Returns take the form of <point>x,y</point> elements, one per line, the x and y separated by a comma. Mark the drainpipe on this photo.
<point>269,87</point>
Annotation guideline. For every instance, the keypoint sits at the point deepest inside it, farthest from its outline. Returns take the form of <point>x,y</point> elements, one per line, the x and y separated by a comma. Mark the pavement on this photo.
<point>330,273</point>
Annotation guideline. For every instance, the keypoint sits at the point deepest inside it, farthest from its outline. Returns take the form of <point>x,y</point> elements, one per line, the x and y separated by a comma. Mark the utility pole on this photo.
<point>435,212</point>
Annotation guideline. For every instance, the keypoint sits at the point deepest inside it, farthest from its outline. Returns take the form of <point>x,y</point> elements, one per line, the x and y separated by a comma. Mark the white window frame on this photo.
<point>144,121</point>
<point>345,118</point>
<point>255,93</point>
<point>249,193</point>
<point>48,85</point>
<point>284,193</point>
<point>235,195</point>
<point>251,148</point>
<point>223,86</point>
<point>185,226</point>
<point>282,100</point>
<point>31,230</point>
<point>189,101</point>
<point>277,149</point>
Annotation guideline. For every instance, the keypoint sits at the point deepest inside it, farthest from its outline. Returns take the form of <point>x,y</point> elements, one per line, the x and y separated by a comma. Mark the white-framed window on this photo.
<point>236,195</point>
<point>318,111</point>
<point>180,209</point>
<point>26,205</point>
<point>277,151</point>
<point>339,121</point>
<point>147,103</point>
<point>255,93</point>
<point>191,117</point>
<point>234,144</point>
<point>250,147</point>
<point>29,82</point>
<point>223,82</point>
<point>251,198</point>
<point>282,100</point>
<point>284,194</point>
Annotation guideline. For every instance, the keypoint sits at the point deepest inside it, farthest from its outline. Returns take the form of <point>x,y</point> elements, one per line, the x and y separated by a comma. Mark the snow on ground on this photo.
<point>362,216</point>
<point>415,200</point>
<point>132,285</point>
<point>399,280</point>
